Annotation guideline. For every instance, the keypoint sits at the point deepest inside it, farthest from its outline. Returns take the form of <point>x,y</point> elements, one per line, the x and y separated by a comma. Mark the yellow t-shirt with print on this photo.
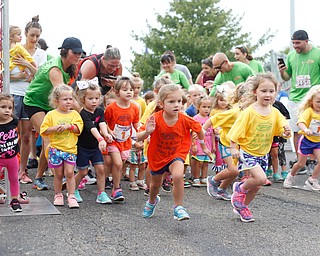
<point>254,132</point>
<point>312,121</point>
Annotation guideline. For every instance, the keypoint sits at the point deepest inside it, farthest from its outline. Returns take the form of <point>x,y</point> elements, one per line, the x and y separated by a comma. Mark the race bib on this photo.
<point>303,81</point>
<point>122,133</point>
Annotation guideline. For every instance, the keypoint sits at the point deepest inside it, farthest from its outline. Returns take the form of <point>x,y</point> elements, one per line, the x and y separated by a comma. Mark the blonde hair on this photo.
<point>14,30</point>
<point>307,100</point>
<point>168,89</point>
<point>109,96</point>
<point>220,96</point>
<point>196,88</point>
<point>56,94</point>
<point>137,79</point>
<point>160,82</point>
<point>81,94</point>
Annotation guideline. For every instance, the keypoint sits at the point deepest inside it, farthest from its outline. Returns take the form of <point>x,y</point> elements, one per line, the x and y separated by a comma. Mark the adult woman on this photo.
<point>19,82</point>
<point>241,53</point>
<point>105,66</point>
<point>208,73</point>
<point>168,63</point>
<point>55,72</point>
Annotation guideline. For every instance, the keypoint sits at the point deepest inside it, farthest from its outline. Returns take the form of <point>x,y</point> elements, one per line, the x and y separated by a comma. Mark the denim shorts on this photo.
<point>166,167</point>
<point>247,161</point>
<point>56,158</point>
<point>19,108</point>
<point>85,156</point>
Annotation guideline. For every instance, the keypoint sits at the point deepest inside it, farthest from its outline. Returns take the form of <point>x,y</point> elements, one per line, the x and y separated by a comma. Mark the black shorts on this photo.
<point>31,110</point>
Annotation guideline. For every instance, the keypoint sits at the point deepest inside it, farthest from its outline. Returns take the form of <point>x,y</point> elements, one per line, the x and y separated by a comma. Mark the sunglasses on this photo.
<point>220,66</point>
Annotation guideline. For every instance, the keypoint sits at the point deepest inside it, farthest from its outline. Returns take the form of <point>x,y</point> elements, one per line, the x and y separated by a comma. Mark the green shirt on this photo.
<point>238,74</point>
<point>177,77</point>
<point>303,64</point>
<point>256,66</point>
<point>38,92</point>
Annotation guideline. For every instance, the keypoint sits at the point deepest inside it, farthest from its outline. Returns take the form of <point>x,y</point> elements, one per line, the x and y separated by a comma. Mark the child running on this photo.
<point>9,148</point>
<point>309,142</point>
<point>170,142</point>
<point>91,141</point>
<point>204,105</point>
<point>217,185</point>
<point>253,132</point>
<point>122,116</point>
<point>63,126</point>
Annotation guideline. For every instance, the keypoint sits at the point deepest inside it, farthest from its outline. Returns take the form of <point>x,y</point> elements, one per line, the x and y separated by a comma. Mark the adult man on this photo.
<point>303,68</point>
<point>236,72</point>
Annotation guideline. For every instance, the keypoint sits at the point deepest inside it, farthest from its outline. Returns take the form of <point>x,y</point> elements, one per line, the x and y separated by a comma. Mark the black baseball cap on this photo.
<point>72,43</point>
<point>300,35</point>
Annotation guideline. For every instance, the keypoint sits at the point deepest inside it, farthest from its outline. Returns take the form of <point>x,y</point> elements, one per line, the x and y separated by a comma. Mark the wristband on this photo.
<point>201,141</point>
<point>100,139</point>
<point>71,128</point>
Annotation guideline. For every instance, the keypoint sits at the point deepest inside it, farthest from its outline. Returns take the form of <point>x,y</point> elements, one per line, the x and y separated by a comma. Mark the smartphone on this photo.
<point>281,61</point>
<point>110,77</point>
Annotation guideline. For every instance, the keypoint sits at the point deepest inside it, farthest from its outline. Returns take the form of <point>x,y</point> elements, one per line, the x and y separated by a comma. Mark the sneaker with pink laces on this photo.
<point>72,202</point>
<point>82,185</point>
<point>58,200</point>
<point>245,214</point>
<point>24,177</point>
<point>238,197</point>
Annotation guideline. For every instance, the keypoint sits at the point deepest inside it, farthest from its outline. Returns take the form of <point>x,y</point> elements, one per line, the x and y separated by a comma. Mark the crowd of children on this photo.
<point>155,140</point>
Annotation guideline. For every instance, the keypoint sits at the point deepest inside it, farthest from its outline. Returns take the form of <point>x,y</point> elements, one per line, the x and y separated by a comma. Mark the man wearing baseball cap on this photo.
<point>303,68</point>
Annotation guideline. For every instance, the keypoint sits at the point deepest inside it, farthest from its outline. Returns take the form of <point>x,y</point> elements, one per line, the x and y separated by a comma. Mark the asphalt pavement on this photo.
<point>286,223</point>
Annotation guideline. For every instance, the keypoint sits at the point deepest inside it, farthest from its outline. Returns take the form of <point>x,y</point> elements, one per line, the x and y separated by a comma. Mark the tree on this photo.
<point>193,30</point>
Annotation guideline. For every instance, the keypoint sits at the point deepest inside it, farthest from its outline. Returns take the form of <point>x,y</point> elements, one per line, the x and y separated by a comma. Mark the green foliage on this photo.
<point>193,30</point>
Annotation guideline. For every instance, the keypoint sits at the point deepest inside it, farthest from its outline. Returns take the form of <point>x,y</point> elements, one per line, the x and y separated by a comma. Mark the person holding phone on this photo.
<point>107,67</point>
<point>302,66</point>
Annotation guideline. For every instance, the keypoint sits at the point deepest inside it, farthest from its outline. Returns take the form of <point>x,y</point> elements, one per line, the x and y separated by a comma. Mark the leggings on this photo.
<point>12,165</point>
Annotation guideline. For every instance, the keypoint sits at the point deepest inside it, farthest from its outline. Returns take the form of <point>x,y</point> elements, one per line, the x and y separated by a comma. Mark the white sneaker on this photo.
<point>312,183</point>
<point>90,180</point>
<point>288,182</point>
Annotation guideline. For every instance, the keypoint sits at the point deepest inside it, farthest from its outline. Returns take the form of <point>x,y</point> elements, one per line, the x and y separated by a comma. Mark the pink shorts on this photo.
<point>124,154</point>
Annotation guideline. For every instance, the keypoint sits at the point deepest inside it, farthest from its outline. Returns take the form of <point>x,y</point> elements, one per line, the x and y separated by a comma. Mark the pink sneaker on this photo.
<point>82,185</point>
<point>24,199</point>
<point>24,177</point>
<point>72,202</point>
<point>58,200</point>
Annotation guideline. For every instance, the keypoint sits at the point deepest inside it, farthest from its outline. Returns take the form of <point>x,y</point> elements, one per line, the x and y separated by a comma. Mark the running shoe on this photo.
<point>32,163</point>
<point>212,186</point>
<point>149,208</point>
<point>180,213</point>
<point>238,197</point>
<point>117,195</point>
<point>24,177</point>
<point>72,202</point>
<point>103,198</point>
<point>109,183</point>
<point>39,184</point>
<point>166,186</point>
<point>15,205</point>
<point>277,178</point>
<point>245,214</point>
<point>289,181</point>
<point>223,194</point>
<point>58,200</point>
<point>196,183</point>
<point>312,183</point>
<point>77,196</point>
<point>133,186</point>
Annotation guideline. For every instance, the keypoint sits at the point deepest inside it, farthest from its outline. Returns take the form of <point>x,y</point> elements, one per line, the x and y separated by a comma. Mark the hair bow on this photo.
<point>85,84</point>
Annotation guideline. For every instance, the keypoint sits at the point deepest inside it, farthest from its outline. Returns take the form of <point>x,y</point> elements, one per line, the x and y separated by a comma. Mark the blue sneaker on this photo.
<point>78,197</point>
<point>212,186</point>
<point>117,195</point>
<point>103,198</point>
<point>149,208</point>
<point>180,213</point>
<point>39,184</point>
<point>238,197</point>
<point>223,194</point>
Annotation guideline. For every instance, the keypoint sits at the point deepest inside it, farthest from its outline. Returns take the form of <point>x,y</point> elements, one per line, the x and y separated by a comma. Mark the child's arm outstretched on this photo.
<point>150,127</point>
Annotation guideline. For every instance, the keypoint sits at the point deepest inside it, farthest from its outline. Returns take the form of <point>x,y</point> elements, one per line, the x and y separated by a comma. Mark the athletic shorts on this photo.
<point>19,107</point>
<point>124,154</point>
<point>56,158</point>
<point>166,167</point>
<point>247,161</point>
<point>306,147</point>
